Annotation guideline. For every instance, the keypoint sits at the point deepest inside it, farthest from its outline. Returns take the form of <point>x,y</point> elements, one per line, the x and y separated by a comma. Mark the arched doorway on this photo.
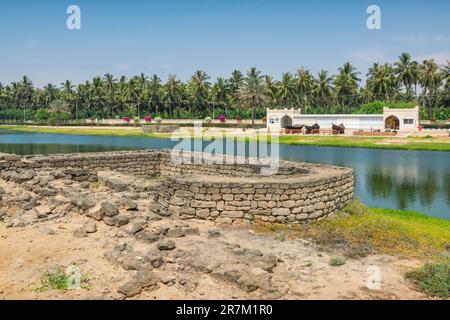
<point>286,121</point>
<point>392,123</point>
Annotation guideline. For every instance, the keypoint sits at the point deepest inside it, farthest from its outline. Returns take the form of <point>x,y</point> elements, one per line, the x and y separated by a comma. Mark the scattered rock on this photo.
<point>121,220</point>
<point>45,192</point>
<point>149,236</point>
<point>178,232</point>
<point>129,204</point>
<point>136,227</point>
<point>108,209</point>
<point>130,289</point>
<point>110,221</point>
<point>116,184</point>
<point>84,185</point>
<point>90,227</point>
<point>43,211</point>
<point>30,204</point>
<point>166,245</point>
<point>214,233</point>
<point>85,203</point>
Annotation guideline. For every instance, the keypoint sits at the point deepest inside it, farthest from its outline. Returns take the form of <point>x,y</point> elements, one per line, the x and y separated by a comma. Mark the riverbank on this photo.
<point>152,256</point>
<point>429,142</point>
<point>357,232</point>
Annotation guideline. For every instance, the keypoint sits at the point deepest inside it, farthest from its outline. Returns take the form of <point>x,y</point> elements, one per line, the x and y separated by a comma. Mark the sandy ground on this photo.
<point>302,272</point>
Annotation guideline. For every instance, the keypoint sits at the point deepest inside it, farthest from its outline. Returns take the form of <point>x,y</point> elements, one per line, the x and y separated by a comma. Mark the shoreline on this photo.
<point>426,143</point>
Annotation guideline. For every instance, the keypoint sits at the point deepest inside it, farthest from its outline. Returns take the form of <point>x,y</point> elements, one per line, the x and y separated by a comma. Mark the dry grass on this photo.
<point>358,231</point>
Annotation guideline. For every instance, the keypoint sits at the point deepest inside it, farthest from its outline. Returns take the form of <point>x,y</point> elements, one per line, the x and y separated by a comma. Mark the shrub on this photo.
<point>42,116</point>
<point>148,119</point>
<point>208,120</point>
<point>337,261</point>
<point>377,107</point>
<point>432,279</point>
<point>126,119</point>
<point>222,118</point>
<point>158,120</point>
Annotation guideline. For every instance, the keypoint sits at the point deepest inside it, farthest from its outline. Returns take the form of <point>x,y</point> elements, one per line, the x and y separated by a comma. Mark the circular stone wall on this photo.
<point>298,192</point>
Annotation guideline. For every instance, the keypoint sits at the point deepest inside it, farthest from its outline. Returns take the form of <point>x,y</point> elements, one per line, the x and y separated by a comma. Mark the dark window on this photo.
<point>408,121</point>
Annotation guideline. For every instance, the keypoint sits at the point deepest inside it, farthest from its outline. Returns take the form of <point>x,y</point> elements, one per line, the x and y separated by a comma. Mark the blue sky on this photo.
<point>179,37</point>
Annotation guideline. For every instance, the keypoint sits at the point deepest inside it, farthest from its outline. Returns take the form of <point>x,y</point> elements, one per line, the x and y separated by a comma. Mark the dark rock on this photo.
<point>84,185</point>
<point>130,289</point>
<point>86,203</point>
<point>214,233</point>
<point>154,258</point>
<point>45,192</point>
<point>129,204</point>
<point>149,236</point>
<point>166,245</point>
<point>23,197</point>
<point>163,230</point>
<point>147,279</point>
<point>110,221</point>
<point>121,220</point>
<point>2,191</point>
<point>30,204</point>
<point>116,184</point>
<point>136,227</point>
<point>21,177</point>
<point>178,232</point>
<point>109,210</point>
<point>58,174</point>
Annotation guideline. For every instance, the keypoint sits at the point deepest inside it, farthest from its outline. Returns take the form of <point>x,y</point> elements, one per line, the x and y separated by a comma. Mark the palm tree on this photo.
<point>286,90</point>
<point>58,107</point>
<point>430,79</point>
<point>272,89</point>
<point>346,84</point>
<point>110,85</point>
<point>172,93</point>
<point>304,86</point>
<point>323,89</point>
<point>67,92</point>
<point>155,92</point>
<point>199,89</point>
<point>221,93</point>
<point>406,71</point>
<point>253,91</point>
<point>381,81</point>
<point>446,75</point>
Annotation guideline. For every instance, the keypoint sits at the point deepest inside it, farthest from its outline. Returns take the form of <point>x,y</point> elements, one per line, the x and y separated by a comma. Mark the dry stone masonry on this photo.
<point>298,193</point>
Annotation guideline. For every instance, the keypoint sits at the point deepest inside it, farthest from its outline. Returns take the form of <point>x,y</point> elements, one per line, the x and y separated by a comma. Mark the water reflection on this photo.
<point>413,180</point>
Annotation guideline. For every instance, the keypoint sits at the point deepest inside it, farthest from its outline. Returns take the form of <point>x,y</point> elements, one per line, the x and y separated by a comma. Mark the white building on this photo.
<point>402,120</point>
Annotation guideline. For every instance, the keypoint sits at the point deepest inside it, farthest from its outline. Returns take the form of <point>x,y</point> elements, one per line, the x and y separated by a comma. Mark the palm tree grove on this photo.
<point>246,95</point>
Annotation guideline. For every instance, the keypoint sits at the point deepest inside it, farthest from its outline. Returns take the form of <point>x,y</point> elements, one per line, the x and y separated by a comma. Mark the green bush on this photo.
<point>42,116</point>
<point>432,279</point>
<point>337,261</point>
<point>377,107</point>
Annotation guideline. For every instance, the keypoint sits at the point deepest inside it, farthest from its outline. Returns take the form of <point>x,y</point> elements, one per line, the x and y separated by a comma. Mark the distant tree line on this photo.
<point>426,83</point>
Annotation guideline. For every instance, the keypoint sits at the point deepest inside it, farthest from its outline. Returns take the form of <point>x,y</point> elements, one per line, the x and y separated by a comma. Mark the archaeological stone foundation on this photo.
<point>298,192</point>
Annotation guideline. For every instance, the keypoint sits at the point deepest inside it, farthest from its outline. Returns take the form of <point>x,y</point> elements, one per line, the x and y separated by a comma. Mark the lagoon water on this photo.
<point>407,180</point>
